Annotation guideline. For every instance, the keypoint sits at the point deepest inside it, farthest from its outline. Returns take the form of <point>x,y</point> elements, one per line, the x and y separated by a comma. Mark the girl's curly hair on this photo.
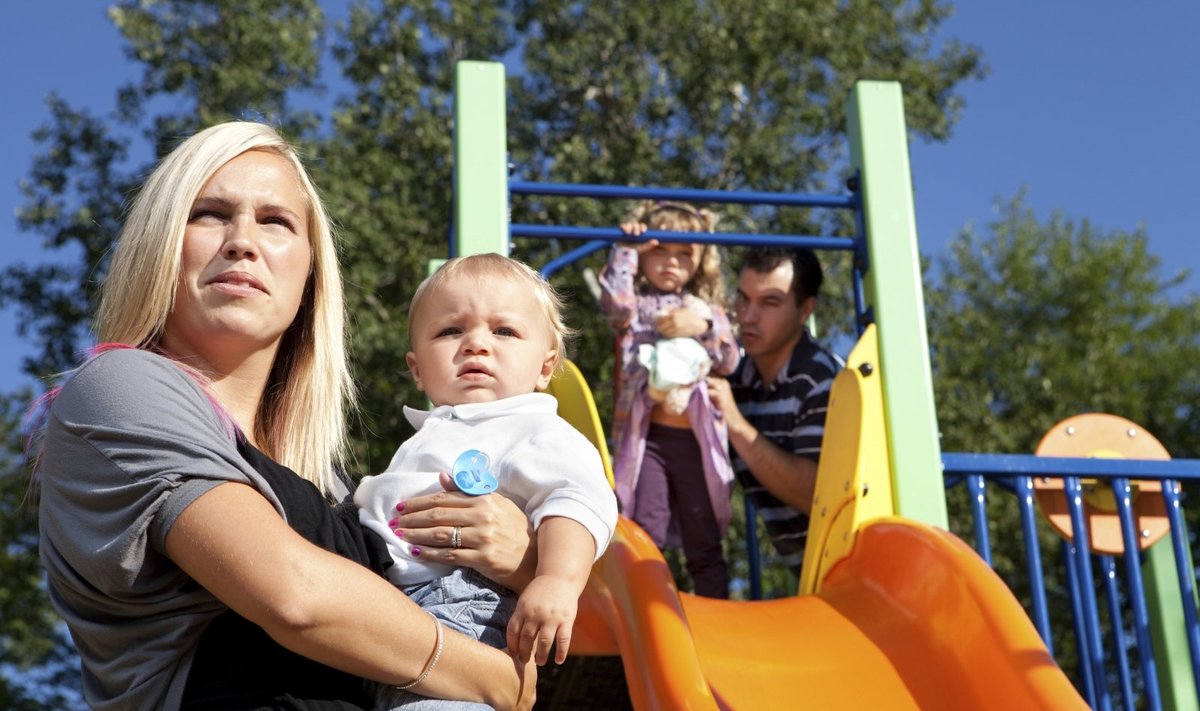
<point>708,282</point>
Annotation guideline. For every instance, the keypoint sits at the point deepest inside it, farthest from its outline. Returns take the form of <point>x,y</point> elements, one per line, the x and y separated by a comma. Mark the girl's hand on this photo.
<point>495,536</point>
<point>681,323</point>
<point>633,228</point>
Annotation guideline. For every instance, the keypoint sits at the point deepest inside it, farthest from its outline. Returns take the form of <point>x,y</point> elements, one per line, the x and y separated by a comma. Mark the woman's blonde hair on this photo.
<point>708,282</point>
<point>301,421</point>
<point>496,265</point>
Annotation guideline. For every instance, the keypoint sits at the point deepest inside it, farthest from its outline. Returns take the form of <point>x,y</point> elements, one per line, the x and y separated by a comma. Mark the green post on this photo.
<point>879,151</point>
<point>480,159</point>
<point>1168,628</point>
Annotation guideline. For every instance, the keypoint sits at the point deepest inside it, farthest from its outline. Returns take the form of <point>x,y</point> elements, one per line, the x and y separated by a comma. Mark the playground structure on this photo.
<point>894,611</point>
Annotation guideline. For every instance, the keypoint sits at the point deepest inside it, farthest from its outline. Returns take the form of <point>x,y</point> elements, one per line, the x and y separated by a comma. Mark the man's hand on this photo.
<point>721,396</point>
<point>789,477</point>
<point>545,615</point>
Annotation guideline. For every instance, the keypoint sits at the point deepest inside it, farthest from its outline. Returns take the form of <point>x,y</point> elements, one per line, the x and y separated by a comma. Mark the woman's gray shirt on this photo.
<point>130,442</point>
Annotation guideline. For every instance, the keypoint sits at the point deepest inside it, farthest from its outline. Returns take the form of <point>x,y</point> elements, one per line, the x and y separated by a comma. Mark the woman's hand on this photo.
<point>528,672</point>
<point>494,535</point>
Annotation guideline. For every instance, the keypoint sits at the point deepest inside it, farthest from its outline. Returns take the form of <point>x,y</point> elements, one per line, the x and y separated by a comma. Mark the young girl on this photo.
<point>672,468</point>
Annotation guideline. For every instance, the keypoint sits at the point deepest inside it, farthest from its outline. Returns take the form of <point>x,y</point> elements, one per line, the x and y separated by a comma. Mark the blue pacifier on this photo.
<point>472,475</point>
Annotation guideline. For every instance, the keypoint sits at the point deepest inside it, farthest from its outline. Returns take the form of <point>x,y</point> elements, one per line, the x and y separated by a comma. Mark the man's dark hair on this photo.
<point>806,268</point>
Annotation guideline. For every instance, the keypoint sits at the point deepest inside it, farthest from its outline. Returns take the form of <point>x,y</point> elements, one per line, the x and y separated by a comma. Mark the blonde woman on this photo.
<point>197,536</point>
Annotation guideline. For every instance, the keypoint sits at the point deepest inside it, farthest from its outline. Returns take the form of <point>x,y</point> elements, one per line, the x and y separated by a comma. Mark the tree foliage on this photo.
<point>35,672</point>
<point>720,94</point>
<point>1033,323</point>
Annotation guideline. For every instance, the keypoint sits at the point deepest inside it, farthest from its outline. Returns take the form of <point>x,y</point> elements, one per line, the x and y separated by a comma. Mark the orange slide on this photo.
<point>897,615</point>
<point>911,619</point>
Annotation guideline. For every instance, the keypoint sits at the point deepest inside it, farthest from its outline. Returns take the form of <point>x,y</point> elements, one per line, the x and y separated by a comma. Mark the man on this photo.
<point>775,402</point>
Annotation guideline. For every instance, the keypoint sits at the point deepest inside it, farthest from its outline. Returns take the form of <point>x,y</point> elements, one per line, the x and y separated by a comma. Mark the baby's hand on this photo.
<point>545,614</point>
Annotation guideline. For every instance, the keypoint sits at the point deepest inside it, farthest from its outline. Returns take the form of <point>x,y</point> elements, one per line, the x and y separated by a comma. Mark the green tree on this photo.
<point>727,94</point>
<point>36,669</point>
<point>1034,322</point>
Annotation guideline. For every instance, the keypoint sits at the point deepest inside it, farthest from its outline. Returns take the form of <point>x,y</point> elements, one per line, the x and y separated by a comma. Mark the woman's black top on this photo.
<point>238,666</point>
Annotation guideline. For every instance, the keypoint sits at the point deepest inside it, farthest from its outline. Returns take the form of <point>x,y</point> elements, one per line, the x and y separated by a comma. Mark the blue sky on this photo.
<point>1090,107</point>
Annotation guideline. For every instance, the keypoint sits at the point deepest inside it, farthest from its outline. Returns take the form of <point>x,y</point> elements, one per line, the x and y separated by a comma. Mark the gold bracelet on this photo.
<point>433,659</point>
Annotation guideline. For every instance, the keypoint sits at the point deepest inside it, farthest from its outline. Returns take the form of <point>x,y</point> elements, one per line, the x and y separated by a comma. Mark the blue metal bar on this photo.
<point>861,318</point>
<point>624,192</point>
<point>752,549</point>
<point>1079,617</point>
<point>1087,590</point>
<point>978,494</point>
<point>614,234</point>
<point>1033,560</point>
<point>1108,569</point>
<point>861,263</point>
<point>959,462</point>
<point>1123,494</point>
<point>1187,582</point>
<point>571,257</point>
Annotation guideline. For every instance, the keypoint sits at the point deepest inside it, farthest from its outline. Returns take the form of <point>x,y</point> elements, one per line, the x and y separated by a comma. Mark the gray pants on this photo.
<point>465,602</point>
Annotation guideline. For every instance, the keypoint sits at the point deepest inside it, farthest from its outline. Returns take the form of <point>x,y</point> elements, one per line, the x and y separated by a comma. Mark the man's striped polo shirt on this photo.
<point>791,413</point>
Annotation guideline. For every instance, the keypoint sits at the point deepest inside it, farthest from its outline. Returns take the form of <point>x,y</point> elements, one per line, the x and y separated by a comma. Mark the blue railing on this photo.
<point>1015,474</point>
<point>599,237</point>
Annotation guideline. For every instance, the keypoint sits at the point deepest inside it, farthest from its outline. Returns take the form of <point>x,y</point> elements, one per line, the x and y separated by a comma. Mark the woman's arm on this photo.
<point>497,538</point>
<point>329,609</point>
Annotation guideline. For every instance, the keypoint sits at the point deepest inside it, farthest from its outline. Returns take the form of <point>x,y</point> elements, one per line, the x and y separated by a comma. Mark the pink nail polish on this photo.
<point>400,506</point>
<point>392,523</point>
<point>416,552</point>
<point>399,533</point>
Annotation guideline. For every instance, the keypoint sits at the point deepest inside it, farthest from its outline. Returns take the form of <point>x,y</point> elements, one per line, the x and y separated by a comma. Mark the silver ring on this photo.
<point>456,537</point>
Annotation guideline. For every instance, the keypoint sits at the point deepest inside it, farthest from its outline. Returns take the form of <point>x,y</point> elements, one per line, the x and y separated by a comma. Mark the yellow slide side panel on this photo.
<point>854,482</point>
<point>576,406</point>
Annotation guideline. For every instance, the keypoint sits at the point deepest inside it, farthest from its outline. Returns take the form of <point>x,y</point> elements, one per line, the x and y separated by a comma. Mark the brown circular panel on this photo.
<point>1103,436</point>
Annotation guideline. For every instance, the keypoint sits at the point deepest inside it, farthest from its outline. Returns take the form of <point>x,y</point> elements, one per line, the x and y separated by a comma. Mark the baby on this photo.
<point>486,334</point>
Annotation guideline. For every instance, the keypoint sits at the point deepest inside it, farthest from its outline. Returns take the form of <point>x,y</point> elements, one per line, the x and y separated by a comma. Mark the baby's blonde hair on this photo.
<point>492,264</point>
<point>707,283</point>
